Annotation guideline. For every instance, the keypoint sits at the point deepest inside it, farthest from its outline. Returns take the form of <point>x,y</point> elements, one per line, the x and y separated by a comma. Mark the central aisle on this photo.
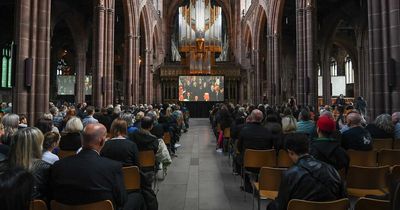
<point>200,178</point>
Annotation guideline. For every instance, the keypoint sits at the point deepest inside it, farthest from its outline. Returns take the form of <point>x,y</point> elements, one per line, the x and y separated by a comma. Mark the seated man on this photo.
<point>356,137</point>
<point>308,179</point>
<point>396,123</point>
<point>87,177</point>
<point>326,148</point>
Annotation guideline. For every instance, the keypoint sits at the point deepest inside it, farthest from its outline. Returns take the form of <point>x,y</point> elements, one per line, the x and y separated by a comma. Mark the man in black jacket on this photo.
<point>87,177</point>
<point>328,149</point>
<point>308,179</point>
<point>357,137</point>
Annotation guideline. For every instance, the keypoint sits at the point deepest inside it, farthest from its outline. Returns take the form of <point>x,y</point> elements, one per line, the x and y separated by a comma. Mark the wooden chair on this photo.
<point>283,160</point>
<point>65,153</point>
<point>101,205</point>
<point>37,205</point>
<point>395,172</point>
<point>147,159</point>
<point>362,158</point>
<point>342,204</point>
<point>372,204</point>
<point>389,157</point>
<point>396,144</point>
<point>379,144</point>
<point>227,133</point>
<point>362,181</point>
<point>131,178</point>
<point>268,183</point>
<point>167,138</point>
<point>256,159</point>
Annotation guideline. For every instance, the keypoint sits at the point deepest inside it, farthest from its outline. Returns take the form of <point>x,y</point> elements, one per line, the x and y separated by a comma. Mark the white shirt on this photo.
<point>49,157</point>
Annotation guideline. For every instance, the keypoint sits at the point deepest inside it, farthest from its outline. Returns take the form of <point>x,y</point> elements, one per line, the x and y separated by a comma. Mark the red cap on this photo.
<point>326,124</point>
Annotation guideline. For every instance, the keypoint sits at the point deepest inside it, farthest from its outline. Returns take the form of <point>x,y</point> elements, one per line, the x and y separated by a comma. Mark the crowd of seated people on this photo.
<point>317,142</point>
<point>100,143</point>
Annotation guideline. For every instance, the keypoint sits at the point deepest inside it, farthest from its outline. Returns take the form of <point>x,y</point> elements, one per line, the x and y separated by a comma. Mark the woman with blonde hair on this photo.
<point>71,135</point>
<point>11,123</point>
<point>26,153</point>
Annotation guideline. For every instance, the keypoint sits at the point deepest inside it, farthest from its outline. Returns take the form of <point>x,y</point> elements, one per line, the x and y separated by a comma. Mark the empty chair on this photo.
<point>342,204</point>
<point>283,160</point>
<point>372,204</point>
<point>389,157</point>
<point>101,205</point>
<point>362,181</point>
<point>37,205</point>
<point>268,183</point>
<point>65,153</point>
<point>362,158</point>
<point>379,144</point>
<point>131,178</point>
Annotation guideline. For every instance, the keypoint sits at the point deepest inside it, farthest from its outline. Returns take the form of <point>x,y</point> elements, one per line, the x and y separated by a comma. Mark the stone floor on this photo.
<point>200,178</point>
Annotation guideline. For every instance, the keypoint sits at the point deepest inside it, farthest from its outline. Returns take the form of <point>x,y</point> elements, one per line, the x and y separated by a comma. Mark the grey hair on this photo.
<point>10,121</point>
<point>73,125</point>
<point>128,117</point>
<point>384,122</point>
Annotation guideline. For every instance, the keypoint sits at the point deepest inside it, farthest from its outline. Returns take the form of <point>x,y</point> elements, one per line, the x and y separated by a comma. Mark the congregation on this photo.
<point>78,155</point>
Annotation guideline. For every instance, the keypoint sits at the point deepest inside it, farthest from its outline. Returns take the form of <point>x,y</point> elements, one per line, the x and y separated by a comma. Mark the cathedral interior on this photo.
<point>135,51</point>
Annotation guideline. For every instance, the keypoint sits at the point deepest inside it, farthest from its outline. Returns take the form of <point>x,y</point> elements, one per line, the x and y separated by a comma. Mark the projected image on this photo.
<point>65,85</point>
<point>201,88</point>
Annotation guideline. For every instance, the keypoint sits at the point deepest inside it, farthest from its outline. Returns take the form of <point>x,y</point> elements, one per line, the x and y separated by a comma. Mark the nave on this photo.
<point>200,178</point>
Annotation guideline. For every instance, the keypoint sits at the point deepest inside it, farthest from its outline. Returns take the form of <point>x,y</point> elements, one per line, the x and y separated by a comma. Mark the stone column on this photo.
<point>33,41</point>
<point>98,55</point>
<point>384,60</point>
<point>109,53</point>
<point>129,69</point>
<point>276,57</point>
<point>80,77</point>
<point>270,69</point>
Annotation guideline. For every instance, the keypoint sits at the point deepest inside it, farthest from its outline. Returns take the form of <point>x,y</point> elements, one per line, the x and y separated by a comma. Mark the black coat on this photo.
<point>70,141</point>
<point>330,151</point>
<point>309,179</point>
<point>357,138</point>
<point>87,177</point>
<point>254,136</point>
<point>144,141</point>
<point>122,150</point>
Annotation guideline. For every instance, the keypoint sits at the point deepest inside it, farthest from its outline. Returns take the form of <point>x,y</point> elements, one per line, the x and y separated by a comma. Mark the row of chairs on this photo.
<point>131,180</point>
<point>342,204</point>
<point>374,158</point>
<point>387,143</point>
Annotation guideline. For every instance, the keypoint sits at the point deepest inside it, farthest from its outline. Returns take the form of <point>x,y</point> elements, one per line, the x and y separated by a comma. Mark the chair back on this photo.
<point>147,158</point>
<point>389,157</point>
<point>342,204</point>
<point>284,160</point>
<point>65,153</point>
<point>259,158</point>
<point>362,158</point>
<point>131,177</point>
<point>367,177</point>
<point>227,133</point>
<point>372,204</point>
<point>101,205</point>
<point>396,144</point>
<point>37,205</point>
<point>379,144</point>
<point>167,138</point>
<point>270,178</point>
<point>395,173</point>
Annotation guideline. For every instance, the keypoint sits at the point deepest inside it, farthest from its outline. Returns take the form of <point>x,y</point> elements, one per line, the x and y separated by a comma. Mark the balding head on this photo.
<point>94,136</point>
<point>257,116</point>
<point>354,119</point>
<point>396,117</point>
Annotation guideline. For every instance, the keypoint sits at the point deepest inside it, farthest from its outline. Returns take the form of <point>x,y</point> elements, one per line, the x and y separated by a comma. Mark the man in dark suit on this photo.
<point>253,136</point>
<point>87,177</point>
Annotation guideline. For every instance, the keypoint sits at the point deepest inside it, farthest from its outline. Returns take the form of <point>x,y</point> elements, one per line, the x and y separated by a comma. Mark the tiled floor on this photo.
<point>200,178</point>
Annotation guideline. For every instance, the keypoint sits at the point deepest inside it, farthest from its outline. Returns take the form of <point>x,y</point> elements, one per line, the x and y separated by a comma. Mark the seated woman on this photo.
<point>71,136</point>
<point>26,152</point>
<point>16,187</point>
<point>51,140</point>
<point>118,147</point>
<point>382,128</point>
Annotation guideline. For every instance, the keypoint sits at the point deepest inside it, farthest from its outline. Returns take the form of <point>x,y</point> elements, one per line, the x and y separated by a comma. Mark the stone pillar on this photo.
<point>33,41</point>
<point>129,69</point>
<point>306,71</point>
<point>80,77</point>
<point>109,53</point>
<point>257,80</point>
<point>326,75</point>
<point>276,57</point>
<point>270,70</point>
<point>384,60</point>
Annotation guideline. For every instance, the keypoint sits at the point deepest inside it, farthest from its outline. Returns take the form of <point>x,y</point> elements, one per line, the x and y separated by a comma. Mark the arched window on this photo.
<point>6,65</point>
<point>349,70</point>
<point>333,67</point>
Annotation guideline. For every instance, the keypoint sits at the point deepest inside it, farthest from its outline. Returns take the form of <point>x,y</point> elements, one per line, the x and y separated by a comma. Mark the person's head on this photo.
<point>23,119</point>
<point>289,125</point>
<point>384,122</point>
<point>71,112</point>
<point>287,112</point>
<point>147,123</point>
<point>10,121</point>
<point>128,117</point>
<point>94,136</point>
<point>297,144</point>
<point>26,147</point>
<point>327,114</point>
<point>51,140</point>
<point>304,115</point>
<point>139,116</point>
<point>272,118</point>
<point>47,116</point>
<point>396,117</point>
<point>325,126</point>
<point>74,125</point>
<point>119,127</point>
<point>16,185</point>
<point>257,116</point>
<point>353,119</point>
<point>90,110</point>
<point>54,110</point>
<point>44,125</point>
